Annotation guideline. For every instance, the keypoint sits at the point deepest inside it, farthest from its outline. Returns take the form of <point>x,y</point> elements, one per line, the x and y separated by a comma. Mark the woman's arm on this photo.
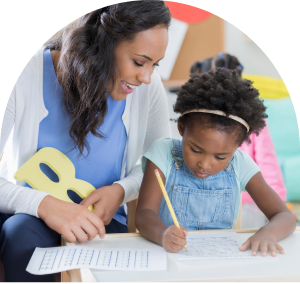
<point>15,199</point>
<point>23,114</point>
<point>147,220</point>
<point>281,221</point>
<point>150,121</point>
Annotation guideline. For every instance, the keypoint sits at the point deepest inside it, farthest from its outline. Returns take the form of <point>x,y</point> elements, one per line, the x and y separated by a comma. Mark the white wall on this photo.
<point>254,60</point>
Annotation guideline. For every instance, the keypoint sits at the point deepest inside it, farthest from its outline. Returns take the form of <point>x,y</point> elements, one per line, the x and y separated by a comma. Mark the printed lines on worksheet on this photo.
<point>48,260</point>
<point>123,259</point>
<point>144,259</point>
<point>214,246</point>
<point>51,260</point>
<point>104,258</point>
<point>85,257</point>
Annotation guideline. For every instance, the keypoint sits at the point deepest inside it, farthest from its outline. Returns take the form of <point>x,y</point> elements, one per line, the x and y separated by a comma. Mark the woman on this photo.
<point>93,94</point>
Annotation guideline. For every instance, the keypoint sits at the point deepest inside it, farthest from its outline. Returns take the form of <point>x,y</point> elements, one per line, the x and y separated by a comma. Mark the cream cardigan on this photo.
<point>145,118</point>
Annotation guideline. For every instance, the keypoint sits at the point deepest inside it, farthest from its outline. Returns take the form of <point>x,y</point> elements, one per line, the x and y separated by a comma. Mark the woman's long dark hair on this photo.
<point>87,61</point>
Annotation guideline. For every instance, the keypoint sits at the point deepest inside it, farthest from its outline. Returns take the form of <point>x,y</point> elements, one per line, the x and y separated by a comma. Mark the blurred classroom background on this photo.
<point>195,35</point>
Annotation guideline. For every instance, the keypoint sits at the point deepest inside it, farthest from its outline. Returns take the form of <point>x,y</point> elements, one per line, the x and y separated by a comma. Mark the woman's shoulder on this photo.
<point>33,71</point>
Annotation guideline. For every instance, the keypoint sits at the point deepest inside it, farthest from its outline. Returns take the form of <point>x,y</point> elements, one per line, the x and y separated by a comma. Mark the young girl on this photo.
<point>205,173</point>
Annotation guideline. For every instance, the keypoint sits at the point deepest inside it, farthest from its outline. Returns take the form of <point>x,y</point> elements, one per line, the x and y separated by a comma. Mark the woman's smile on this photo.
<point>127,88</point>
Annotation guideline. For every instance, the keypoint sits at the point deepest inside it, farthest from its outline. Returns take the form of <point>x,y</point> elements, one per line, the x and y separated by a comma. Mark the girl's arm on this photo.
<point>147,220</point>
<point>281,221</point>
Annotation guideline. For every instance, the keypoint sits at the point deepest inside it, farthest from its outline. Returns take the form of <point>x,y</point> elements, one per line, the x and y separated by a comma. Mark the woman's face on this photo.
<point>136,60</point>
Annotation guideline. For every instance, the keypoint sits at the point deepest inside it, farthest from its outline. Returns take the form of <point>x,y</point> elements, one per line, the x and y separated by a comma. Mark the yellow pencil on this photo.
<point>167,200</point>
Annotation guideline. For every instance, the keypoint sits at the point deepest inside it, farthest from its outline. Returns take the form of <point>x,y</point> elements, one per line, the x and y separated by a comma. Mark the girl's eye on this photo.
<point>195,150</point>
<point>220,158</point>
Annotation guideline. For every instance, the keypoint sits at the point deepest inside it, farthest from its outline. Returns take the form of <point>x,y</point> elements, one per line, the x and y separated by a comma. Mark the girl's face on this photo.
<point>206,151</point>
<point>136,60</point>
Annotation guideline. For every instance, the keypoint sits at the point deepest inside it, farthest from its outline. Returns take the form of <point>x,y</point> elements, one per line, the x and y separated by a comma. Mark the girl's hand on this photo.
<point>263,240</point>
<point>106,201</point>
<point>174,239</point>
<point>71,220</point>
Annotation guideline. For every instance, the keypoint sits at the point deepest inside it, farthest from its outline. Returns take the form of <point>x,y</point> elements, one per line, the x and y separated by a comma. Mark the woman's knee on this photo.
<point>26,230</point>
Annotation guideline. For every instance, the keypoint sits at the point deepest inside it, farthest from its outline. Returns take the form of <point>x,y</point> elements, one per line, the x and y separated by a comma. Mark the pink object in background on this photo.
<point>262,151</point>
<point>187,13</point>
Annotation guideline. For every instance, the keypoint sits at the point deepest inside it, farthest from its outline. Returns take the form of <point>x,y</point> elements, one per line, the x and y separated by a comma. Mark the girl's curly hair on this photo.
<point>221,89</point>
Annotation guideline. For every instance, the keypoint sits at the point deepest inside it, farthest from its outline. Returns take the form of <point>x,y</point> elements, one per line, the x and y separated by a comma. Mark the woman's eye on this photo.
<point>220,158</point>
<point>156,64</point>
<point>137,64</point>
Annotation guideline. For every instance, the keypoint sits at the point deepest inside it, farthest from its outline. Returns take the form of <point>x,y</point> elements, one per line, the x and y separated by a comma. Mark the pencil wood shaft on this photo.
<point>163,189</point>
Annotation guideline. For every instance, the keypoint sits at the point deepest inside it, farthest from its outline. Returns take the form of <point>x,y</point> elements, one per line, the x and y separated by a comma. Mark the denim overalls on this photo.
<point>199,204</point>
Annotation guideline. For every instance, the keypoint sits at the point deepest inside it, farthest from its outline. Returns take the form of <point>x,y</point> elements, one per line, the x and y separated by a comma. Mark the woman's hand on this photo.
<point>264,240</point>
<point>174,239</point>
<point>106,201</point>
<point>73,221</point>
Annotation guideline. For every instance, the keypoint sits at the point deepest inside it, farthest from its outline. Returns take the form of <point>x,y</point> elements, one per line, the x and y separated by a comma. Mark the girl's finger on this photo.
<point>245,245</point>
<point>174,248</point>
<point>279,248</point>
<point>177,240</point>
<point>185,231</point>
<point>263,248</point>
<point>177,247</point>
<point>272,249</point>
<point>254,247</point>
<point>178,233</point>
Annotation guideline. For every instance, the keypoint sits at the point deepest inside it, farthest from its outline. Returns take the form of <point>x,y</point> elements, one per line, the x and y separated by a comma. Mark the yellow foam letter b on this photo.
<point>62,166</point>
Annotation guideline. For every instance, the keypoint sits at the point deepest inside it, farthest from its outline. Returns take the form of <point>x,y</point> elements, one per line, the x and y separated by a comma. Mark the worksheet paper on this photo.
<point>214,246</point>
<point>57,259</point>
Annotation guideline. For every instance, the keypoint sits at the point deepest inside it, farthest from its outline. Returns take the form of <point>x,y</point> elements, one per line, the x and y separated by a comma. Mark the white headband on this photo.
<point>222,113</point>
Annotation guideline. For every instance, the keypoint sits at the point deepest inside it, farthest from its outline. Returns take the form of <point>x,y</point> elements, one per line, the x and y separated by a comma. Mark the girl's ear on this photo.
<point>180,128</point>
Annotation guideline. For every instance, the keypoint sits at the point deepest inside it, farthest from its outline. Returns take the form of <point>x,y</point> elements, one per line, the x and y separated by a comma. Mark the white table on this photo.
<point>286,268</point>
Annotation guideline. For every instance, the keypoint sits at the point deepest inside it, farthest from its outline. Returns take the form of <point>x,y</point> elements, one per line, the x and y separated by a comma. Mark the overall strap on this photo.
<point>229,167</point>
<point>177,149</point>
<point>177,153</point>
